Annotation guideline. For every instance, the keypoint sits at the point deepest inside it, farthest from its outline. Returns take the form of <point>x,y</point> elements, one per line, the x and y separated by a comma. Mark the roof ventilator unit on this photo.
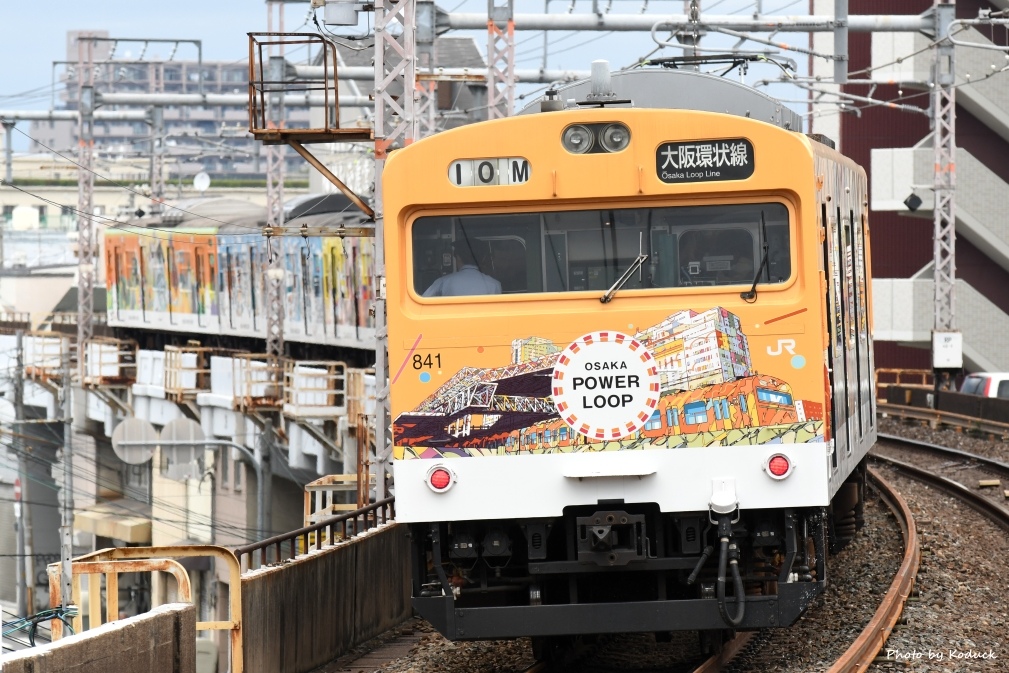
<point>601,93</point>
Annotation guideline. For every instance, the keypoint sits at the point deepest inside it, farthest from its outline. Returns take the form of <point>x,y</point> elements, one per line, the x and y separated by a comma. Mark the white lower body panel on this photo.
<point>542,485</point>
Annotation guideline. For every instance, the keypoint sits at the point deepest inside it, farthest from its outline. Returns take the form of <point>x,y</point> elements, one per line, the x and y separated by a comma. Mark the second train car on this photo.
<point>208,276</point>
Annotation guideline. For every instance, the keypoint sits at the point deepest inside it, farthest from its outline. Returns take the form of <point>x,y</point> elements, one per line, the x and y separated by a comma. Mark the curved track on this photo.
<point>954,460</point>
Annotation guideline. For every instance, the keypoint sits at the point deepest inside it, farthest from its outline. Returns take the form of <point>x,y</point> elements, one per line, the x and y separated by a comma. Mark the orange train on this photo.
<point>631,362</point>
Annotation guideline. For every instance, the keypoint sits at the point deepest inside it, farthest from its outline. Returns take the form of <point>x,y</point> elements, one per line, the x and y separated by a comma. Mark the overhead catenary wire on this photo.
<point>188,516</point>
<point>126,187</point>
<point>93,478</point>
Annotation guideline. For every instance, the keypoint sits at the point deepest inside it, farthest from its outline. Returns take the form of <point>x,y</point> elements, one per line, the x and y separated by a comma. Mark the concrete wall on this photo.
<point>302,614</point>
<point>160,641</point>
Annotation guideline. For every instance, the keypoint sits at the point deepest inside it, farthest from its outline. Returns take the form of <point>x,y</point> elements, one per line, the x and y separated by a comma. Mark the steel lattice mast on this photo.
<point>85,193</point>
<point>500,58</point>
<point>275,201</point>
<point>944,181</point>
<point>395,125</point>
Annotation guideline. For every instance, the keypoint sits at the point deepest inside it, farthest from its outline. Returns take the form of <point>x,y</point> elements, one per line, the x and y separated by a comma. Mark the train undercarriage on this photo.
<point>621,567</point>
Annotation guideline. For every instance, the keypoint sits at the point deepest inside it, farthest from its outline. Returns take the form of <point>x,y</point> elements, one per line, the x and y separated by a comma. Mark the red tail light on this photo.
<point>778,466</point>
<point>440,478</point>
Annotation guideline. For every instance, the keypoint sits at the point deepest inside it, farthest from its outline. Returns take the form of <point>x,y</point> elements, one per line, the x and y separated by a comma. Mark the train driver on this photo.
<point>466,280</point>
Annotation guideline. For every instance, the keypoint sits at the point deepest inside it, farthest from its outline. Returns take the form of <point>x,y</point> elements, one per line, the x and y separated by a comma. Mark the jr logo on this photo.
<point>786,345</point>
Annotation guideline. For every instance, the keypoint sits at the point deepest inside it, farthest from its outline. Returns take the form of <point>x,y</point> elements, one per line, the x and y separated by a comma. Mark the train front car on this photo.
<point>629,359</point>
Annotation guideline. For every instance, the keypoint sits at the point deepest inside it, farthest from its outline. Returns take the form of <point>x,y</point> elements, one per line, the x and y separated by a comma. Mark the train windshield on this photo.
<point>588,250</point>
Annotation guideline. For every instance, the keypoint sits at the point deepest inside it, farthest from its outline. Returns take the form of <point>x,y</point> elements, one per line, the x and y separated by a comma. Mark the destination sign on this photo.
<point>487,172</point>
<point>704,161</point>
<point>605,385</point>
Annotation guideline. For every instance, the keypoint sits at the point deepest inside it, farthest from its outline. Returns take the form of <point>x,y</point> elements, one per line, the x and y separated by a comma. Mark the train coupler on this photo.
<point>611,538</point>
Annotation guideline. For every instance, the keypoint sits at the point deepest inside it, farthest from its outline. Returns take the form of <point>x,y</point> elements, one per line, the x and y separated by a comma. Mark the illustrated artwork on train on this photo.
<point>709,395</point>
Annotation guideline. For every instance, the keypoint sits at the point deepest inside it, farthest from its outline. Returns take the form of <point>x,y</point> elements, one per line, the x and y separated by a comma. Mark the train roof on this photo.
<point>684,90</point>
<point>211,211</point>
<point>316,204</point>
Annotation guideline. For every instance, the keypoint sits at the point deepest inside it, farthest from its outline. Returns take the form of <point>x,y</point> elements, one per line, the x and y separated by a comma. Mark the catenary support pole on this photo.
<point>67,488</point>
<point>264,498</point>
<point>21,561</point>
<point>85,193</point>
<point>947,354</point>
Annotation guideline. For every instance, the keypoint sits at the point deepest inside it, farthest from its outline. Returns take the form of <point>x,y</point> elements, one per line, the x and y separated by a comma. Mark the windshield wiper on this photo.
<point>635,265</point>
<point>751,295</point>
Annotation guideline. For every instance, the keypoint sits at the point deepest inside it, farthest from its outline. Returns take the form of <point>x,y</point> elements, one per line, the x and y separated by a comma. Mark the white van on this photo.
<point>987,384</point>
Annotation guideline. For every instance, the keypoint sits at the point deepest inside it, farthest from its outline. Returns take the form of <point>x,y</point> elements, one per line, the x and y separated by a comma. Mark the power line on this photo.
<point>126,187</point>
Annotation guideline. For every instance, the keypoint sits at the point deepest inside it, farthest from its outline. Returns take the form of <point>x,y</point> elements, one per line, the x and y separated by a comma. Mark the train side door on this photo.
<point>144,284</point>
<point>865,318</point>
<point>114,276</point>
<point>306,287</point>
<point>199,286</point>
<point>848,304</point>
<point>227,284</point>
<point>257,269</point>
<point>335,286</point>
<point>835,332</point>
<point>172,282</point>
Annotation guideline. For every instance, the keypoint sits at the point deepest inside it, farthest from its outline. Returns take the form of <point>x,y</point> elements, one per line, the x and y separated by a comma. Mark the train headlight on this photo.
<point>440,478</point>
<point>778,466</point>
<point>615,137</point>
<point>577,139</point>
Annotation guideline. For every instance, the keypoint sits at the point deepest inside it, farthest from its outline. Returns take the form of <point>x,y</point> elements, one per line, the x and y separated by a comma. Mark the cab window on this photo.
<point>589,250</point>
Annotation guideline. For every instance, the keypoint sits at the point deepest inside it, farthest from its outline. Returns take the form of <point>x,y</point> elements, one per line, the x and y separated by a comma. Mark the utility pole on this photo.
<point>24,564</point>
<point>264,455</point>
<point>67,490</point>
<point>275,217</point>
<point>8,150</point>
<point>157,170</point>
<point>947,346</point>
<point>8,172</point>
<point>85,192</point>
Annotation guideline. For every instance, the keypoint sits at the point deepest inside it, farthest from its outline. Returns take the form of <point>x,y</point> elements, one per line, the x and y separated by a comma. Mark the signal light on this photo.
<point>440,479</point>
<point>778,466</point>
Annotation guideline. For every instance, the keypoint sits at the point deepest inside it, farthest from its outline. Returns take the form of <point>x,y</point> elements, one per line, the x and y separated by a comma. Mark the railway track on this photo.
<point>960,620</point>
<point>956,472</point>
<point>953,471</point>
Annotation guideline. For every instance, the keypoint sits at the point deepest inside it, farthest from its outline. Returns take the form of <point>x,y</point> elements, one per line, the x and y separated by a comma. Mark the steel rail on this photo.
<point>936,417</point>
<point>999,515</point>
<point>724,656</point>
<point>861,653</point>
<point>982,461</point>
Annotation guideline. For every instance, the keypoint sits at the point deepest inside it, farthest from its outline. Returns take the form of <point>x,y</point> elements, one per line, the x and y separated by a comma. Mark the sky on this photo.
<point>32,35</point>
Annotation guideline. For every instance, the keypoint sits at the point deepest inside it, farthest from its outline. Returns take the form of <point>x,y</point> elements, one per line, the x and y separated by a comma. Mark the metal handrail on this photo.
<point>374,514</point>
